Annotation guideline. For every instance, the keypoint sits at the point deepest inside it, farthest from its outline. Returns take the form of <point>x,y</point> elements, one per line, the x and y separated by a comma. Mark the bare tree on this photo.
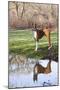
<point>23,10</point>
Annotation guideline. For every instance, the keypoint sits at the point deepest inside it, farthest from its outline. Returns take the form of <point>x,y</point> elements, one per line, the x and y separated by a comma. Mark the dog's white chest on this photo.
<point>35,34</point>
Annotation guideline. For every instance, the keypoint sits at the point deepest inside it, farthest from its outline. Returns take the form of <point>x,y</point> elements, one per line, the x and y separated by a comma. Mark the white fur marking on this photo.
<point>36,46</point>
<point>35,34</point>
<point>36,70</point>
<point>49,47</point>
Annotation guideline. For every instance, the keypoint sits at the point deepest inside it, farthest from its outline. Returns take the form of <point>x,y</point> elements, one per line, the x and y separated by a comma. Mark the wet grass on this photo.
<point>22,42</point>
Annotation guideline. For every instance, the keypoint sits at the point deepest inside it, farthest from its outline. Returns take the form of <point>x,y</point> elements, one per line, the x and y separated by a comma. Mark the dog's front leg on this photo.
<point>36,48</point>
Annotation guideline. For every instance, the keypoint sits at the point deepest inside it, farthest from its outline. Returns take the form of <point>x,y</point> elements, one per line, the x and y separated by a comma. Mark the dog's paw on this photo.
<point>49,47</point>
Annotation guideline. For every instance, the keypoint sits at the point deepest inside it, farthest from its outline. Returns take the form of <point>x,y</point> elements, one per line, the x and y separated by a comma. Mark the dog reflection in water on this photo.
<point>40,69</point>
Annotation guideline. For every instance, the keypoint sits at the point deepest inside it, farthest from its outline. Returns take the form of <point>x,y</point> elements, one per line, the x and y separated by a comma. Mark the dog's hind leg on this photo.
<point>47,33</point>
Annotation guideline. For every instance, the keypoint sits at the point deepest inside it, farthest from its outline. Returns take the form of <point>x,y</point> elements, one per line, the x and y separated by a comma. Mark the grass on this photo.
<point>22,42</point>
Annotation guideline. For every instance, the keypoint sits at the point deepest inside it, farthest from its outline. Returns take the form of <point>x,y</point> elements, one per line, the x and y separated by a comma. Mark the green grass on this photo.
<point>22,42</point>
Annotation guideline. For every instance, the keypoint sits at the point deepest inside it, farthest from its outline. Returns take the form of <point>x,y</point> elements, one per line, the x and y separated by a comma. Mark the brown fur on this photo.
<point>41,33</point>
<point>45,30</point>
<point>40,69</point>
